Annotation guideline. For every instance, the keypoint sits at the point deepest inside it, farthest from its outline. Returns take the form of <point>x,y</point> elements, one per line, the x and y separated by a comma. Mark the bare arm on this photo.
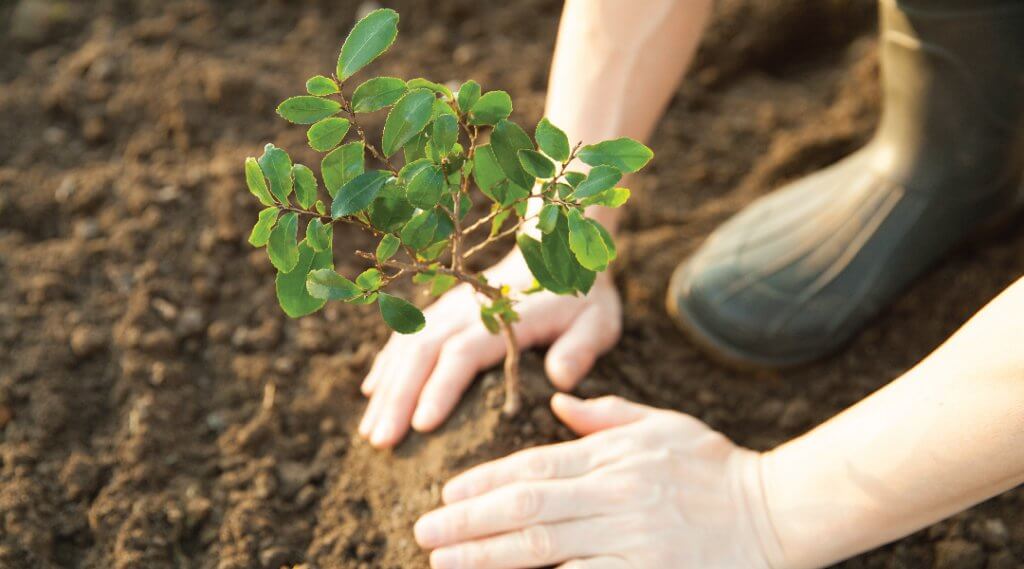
<point>944,436</point>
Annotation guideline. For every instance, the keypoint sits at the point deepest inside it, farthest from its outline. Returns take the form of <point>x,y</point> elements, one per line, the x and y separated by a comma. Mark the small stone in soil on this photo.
<point>959,554</point>
<point>86,341</point>
<point>992,532</point>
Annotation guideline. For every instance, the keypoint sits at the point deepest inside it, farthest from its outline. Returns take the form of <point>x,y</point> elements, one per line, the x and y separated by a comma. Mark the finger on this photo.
<point>392,421</point>
<point>596,563</point>
<point>536,546</point>
<point>373,408</point>
<point>593,415</point>
<point>513,507</point>
<point>462,356</point>
<point>572,355</point>
<point>379,367</point>
<point>562,460</point>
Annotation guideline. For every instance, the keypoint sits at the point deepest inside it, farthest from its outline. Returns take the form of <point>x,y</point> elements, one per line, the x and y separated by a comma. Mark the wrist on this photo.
<point>749,489</point>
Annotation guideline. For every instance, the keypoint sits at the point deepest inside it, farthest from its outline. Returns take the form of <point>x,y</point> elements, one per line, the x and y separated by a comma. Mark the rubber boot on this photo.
<point>796,274</point>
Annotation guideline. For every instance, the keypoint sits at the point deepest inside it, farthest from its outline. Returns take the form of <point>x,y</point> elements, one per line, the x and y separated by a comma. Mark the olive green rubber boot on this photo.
<point>799,272</point>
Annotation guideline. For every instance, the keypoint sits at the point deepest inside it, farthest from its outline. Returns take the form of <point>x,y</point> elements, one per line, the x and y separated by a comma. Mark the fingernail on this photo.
<point>382,435</point>
<point>425,416</point>
<point>426,532</point>
<point>364,425</point>
<point>444,559</point>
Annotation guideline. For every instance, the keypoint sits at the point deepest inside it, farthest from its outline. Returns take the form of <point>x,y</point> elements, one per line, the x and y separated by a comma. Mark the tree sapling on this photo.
<point>420,210</point>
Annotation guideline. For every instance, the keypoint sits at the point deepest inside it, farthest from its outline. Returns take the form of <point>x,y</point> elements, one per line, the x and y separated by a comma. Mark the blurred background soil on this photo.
<point>158,410</point>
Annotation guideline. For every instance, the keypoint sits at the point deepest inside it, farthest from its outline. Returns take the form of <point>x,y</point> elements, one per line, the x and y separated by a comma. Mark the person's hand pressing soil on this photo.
<point>643,488</point>
<point>417,379</point>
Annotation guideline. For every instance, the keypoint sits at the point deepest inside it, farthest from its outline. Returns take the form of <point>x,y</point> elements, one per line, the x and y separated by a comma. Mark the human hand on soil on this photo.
<point>644,488</point>
<point>417,379</point>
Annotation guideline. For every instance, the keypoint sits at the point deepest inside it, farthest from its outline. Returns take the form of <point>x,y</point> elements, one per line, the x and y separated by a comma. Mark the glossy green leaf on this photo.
<point>419,231</point>
<point>306,109</point>
<point>369,280</point>
<point>574,178</point>
<point>498,221</point>
<point>305,185</point>
<point>536,164</point>
<point>486,170</point>
<point>434,250</point>
<point>292,294</point>
<point>507,140</point>
<point>492,107</point>
<point>282,246</point>
<point>369,38</point>
<point>406,119</point>
<point>601,178</point>
<point>264,224</point>
<point>318,235</point>
<point>341,165</point>
<point>377,93</point>
<point>321,86</point>
<point>400,315</point>
<point>625,154</point>
<point>442,108</point>
<point>421,83</point>
<point>277,167</point>
<point>364,299</point>
<point>468,95</point>
<point>441,283</point>
<point>614,197</point>
<point>326,284</point>
<point>326,134</point>
<point>255,181</point>
<point>358,193</point>
<point>558,257</point>
<point>415,149</point>
<point>609,242</point>
<point>390,211</point>
<point>445,134</point>
<point>552,140</point>
<point>320,208</point>
<point>409,171</point>
<point>547,218</point>
<point>387,247</point>
<point>426,187</point>
<point>586,242</point>
<point>534,256</point>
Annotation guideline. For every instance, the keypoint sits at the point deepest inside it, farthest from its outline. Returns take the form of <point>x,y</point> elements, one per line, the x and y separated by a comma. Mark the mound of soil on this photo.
<point>158,410</point>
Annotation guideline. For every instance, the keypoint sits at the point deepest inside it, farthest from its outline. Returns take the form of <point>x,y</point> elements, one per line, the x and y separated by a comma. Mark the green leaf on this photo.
<point>369,38</point>
<point>492,107</point>
<point>486,170</point>
<point>445,134</point>
<point>305,185</point>
<point>419,231</point>
<point>365,299</point>
<point>257,184</point>
<point>400,315</point>
<point>358,193</point>
<point>320,208</point>
<point>490,322</point>
<point>406,119</point>
<point>387,247</point>
<point>552,140</point>
<point>441,283</point>
<point>614,197</point>
<point>342,165</point>
<point>421,83</point>
<point>390,211</point>
<point>601,178</point>
<point>306,109</point>
<point>534,256</point>
<point>377,93</point>
<point>277,166</point>
<point>433,251</point>
<point>574,178</point>
<point>409,171</point>
<point>318,235</point>
<point>426,187</point>
<point>625,154</point>
<point>291,289</point>
<point>369,280</point>
<point>415,149</point>
<point>498,221</point>
<point>536,164</point>
<point>281,246</point>
<point>586,242</point>
<point>507,140</point>
<point>609,242</point>
<point>548,218</point>
<point>326,284</point>
<point>557,255</point>
<point>261,231</point>
<point>468,95</point>
<point>442,108</point>
<point>321,86</point>
<point>326,134</point>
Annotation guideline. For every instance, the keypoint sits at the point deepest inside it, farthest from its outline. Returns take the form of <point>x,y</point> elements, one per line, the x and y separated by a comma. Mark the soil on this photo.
<point>158,410</point>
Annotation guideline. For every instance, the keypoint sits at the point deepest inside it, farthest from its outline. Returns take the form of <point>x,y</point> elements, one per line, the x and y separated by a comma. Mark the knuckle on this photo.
<point>526,503</point>
<point>540,465</point>
<point>458,347</point>
<point>457,524</point>
<point>538,542</point>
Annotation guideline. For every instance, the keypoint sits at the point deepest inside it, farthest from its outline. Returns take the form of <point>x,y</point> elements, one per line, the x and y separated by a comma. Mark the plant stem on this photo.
<point>513,397</point>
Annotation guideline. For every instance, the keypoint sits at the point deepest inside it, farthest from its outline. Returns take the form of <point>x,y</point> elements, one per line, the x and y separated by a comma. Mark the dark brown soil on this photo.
<point>158,410</point>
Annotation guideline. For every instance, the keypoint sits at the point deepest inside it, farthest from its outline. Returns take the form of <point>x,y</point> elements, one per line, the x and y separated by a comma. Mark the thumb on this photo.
<point>573,354</point>
<point>593,415</point>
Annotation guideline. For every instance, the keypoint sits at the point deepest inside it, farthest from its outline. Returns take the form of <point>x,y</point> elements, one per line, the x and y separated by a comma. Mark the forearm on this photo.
<point>944,436</point>
<point>617,65</point>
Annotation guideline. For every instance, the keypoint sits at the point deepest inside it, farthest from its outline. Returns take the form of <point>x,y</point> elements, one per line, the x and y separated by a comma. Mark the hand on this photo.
<point>644,488</point>
<point>419,378</point>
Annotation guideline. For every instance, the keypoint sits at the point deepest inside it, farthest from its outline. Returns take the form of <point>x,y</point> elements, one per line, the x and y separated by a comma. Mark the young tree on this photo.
<point>420,211</point>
